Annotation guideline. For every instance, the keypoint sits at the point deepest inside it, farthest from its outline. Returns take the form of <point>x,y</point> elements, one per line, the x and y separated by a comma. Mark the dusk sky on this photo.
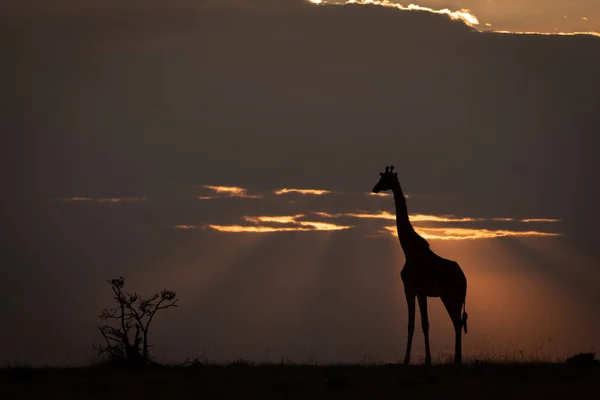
<point>227,150</point>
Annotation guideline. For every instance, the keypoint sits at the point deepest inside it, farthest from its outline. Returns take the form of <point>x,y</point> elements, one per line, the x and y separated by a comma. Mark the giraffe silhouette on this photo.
<point>425,274</point>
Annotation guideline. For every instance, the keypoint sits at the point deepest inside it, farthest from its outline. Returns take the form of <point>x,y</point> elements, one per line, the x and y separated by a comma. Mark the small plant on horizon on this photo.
<point>128,342</point>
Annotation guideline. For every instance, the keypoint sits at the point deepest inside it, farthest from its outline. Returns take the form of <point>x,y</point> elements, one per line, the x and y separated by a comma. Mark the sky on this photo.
<point>227,149</point>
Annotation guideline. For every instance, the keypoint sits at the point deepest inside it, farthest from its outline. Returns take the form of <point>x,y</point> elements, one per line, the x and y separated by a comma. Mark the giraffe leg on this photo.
<point>410,300</point>
<point>453,306</point>
<point>425,325</point>
<point>458,343</point>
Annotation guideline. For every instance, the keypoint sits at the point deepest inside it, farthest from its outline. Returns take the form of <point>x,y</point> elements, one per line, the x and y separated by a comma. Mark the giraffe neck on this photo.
<point>410,241</point>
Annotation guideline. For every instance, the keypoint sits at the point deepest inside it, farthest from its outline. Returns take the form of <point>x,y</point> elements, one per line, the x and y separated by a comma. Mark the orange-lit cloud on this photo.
<point>412,217</point>
<point>441,218</point>
<point>463,15</point>
<point>378,215</point>
<point>104,200</point>
<point>257,229</point>
<point>324,226</point>
<point>380,194</point>
<point>232,191</point>
<point>293,223</point>
<point>295,220</point>
<point>551,220</point>
<point>550,33</point>
<point>312,192</point>
<point>206,197</point>
<point>285,219</point>
<point>186,227</point>
<point>301,226</point>
<point>468,234</point>
<point>300,222</point>
<point>383,194</point>
<point>527,220</point>
<point>325,214</point>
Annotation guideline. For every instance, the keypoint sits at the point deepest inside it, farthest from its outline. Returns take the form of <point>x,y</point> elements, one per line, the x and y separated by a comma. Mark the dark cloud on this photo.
<point>133,102</point>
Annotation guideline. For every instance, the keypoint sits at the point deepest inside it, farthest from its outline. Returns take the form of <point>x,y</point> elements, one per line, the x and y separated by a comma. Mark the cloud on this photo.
<point>412,217</point>
<point>286,219</point>
<point>305,218</point>
<point>463,15</point>
<point>302,218</point>
<point>468,233</point>
<point>110,200</point>
<point>297,225</point>
<point>186,227</point>
<point>230,191</point>
<point>550,220</point>
<point>313,192</point>
<point>527,220</point>
<point>597,34</point>
<point>257,229</point>
<point>380,194</point>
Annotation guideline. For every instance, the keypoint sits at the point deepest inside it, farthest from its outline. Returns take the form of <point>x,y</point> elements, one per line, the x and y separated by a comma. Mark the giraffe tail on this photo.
<point>464,315</point>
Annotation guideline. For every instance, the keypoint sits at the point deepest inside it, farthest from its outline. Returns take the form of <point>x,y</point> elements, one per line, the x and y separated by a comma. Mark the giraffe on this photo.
<point>425,274</point>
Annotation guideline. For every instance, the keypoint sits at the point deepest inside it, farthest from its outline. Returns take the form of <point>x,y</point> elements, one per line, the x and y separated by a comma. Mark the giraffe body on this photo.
<point>426,274</point>
<point>433,276</point>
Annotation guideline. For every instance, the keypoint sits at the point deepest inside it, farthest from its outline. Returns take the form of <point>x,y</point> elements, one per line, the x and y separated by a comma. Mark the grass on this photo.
<point>477,379</point>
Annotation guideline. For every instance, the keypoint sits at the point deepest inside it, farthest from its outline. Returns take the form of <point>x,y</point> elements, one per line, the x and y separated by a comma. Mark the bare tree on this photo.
<point>128,341</point>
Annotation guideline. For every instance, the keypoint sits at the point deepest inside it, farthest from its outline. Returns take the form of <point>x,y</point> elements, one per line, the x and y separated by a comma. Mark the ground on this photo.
<point>474,381</point>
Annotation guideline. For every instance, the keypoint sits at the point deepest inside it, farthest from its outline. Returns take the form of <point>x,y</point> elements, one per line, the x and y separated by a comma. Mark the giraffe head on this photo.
<point>388,180</point>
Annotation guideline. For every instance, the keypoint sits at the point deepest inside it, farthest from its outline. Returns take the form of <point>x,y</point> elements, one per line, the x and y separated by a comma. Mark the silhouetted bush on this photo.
<point>128,342</point>
<point>582,360</point>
